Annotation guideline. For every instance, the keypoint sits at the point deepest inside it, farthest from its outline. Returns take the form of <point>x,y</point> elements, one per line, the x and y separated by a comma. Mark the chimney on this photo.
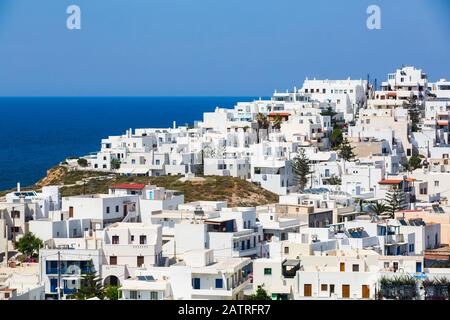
<point>174,124</point>
<point>18,186</point>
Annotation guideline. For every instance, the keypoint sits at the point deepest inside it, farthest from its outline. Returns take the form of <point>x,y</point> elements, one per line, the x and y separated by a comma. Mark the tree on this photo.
<point>277,121</point>
<point>378,208</point>
<point>263,123</point>
<point>345,150</point>
<point>414,113</point>
<point>395,200</point>
<point>260,294</point>
<point>90,285</point>
<point>82,162</point>
<point>115,163</point>
<point>329,112</point>
<point>29,245</point>
<point>336,137</point>
<point>413,163</point>
<point>334,180</point>
<point>301,168</point>
<point>112,293</point>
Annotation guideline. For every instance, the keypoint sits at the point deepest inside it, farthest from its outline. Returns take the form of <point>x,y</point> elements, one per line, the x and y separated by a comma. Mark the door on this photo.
<point>307,288</point>
<point>125,210</point>
<point>418,266</point>
<point>345,291</point>
<point>140,261</point>
<point>70,212</point>
<point>53,285</point>
<point>365,292</point>
<point>196,283</point>
<point>342,266</point>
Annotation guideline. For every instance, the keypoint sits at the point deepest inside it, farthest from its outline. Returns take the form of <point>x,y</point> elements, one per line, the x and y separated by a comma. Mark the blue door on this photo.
<point>53,285</point>
<point>418,266</point>
<point>196,283</point>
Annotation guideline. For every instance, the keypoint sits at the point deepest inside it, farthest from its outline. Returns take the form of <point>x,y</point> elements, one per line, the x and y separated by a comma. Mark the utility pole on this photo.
<point>13,213</point>
<point>59,275</point>
<point>5,259</point>
<point>175,249</point>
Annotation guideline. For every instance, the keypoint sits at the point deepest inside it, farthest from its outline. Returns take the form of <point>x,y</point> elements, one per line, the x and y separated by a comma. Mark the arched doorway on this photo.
<point>111,281</point>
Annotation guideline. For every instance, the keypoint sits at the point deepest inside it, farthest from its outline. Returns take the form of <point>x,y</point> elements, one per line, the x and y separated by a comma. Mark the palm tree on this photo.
<point>377,208</point>
<point>261,119</point>
<point>276,123</point>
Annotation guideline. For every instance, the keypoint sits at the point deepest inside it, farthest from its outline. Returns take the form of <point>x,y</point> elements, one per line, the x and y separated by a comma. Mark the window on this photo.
<point>386,265</point>
<point>411,247</point>
<point>132,238</point>
<point>267,271</point>
<point>286,250</point>
<point>153,295</point>
<point>142,239</point>
<point>355,268</point>
<point>15,214</point>
<point>113,260</point>
<point>323,287</point>
<point>117,208</point>
<point>331,288</point>
<point>115,239</point>
<point>133,294</point>
<point>140,261</point>
<point>436,183</point>
<point>342,266</point>
<point>107,209</point>
<point>219,283</point>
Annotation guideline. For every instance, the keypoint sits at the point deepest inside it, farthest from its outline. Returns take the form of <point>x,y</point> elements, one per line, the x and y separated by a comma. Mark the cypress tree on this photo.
<point>395,200</point>
<point>301,168</point>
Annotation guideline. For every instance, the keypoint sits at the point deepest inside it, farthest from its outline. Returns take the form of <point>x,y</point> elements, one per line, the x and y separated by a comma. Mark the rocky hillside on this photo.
<point>235,191</point>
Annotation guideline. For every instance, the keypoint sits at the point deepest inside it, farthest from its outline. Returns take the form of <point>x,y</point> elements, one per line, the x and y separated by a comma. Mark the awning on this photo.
<point>141,171</point>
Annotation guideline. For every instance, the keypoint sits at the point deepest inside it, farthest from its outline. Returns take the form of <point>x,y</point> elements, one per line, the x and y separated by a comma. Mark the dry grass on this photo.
<point>235,191</point>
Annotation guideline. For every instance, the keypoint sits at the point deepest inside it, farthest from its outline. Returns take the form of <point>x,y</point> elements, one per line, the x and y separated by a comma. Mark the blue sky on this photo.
<point>206,47</point>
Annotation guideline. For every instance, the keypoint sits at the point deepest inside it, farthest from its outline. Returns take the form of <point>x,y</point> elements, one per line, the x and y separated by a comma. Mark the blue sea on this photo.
<point>38,133</point>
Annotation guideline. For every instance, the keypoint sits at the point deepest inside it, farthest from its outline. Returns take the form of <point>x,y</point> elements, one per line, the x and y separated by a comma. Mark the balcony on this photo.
<point>394,239</point>
<point>238,252</point>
